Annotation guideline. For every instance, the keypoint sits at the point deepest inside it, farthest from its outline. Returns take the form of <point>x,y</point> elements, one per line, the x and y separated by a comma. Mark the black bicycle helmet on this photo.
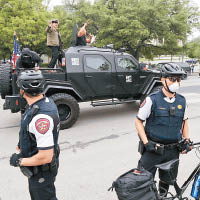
<point>32,82</point>
<point>172,69</point>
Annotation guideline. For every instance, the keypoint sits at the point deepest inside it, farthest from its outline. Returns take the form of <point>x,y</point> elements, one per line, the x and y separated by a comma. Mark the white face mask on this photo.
<point>174,87</point>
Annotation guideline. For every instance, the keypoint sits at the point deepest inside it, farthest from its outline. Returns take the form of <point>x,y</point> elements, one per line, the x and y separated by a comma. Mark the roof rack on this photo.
<point>97,49</point>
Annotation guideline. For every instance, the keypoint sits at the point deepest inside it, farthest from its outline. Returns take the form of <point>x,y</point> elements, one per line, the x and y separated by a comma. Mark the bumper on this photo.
<point>13,103</point>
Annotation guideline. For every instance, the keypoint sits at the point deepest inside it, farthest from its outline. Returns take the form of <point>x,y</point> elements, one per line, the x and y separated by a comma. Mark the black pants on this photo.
<point>54,58</point>
<point>41,186</point>
<point>149,160</point>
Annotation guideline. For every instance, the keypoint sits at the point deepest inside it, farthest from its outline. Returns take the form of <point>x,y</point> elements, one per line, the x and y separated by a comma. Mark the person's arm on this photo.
<point>88,39</point>
<point>41,158</point>
<point>141,132</point>
<point>36,58</point>
<point>143,113</point>
<point>82,31</point>
<point>49,28</point>
<point>39,62</point>
<point>41,127</point>
<point>185,131</point>
<point>185,127</point>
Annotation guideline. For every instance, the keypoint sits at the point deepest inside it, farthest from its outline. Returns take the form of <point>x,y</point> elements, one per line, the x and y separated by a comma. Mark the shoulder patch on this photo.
<point>42,125</point>
<point>143,103</point>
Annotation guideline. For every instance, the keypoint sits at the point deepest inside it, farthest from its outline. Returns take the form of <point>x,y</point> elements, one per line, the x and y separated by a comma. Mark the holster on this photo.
<point>53,166</point>
<point>26,171</point>
<point>141,147</point>
<point>160,150</point>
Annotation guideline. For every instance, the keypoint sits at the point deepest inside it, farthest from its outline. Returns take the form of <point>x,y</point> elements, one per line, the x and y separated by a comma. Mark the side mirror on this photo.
<point>142,66</point>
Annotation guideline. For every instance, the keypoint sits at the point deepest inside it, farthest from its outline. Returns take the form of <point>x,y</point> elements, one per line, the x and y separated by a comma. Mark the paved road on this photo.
<point>101,146</point>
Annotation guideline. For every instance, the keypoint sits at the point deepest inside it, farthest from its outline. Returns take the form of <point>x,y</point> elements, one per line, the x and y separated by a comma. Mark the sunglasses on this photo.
<point>174,79</point>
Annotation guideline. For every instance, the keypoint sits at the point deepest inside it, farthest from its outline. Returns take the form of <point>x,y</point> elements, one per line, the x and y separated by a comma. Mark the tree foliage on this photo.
<point>144,27</point>
<point>28,19</point>
<point>193,48</point>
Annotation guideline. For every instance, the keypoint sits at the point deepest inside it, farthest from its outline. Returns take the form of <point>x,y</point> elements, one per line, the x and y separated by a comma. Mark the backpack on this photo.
<point>136,184</point>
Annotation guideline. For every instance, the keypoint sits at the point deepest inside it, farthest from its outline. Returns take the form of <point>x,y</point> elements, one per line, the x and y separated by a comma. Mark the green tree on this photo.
<point>135,24</point>
<point>193,48</point>
<point>28,18</point>
<point>146,28</point>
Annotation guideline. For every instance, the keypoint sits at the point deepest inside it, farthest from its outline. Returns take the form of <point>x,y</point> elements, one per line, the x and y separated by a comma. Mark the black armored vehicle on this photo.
<point>102,76</point>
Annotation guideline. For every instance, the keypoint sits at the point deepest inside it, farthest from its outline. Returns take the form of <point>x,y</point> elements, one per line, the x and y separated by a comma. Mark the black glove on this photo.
<point>185,145</point>
<point>150,146</point>
<point>15,159</point>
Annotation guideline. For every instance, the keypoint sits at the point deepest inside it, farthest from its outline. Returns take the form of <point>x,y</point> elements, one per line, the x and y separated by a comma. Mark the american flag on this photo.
<point>16,51</point>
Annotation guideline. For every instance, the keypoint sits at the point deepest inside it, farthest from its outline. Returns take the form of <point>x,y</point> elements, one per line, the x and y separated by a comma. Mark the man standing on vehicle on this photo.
<point>53,41</point>
<point>165,113</point>
<point>27,60</point>
<point>81,39</point>
<point>38,138</point>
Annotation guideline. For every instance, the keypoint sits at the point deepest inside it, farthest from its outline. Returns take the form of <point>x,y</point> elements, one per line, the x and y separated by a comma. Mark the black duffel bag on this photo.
<point>135,185</point>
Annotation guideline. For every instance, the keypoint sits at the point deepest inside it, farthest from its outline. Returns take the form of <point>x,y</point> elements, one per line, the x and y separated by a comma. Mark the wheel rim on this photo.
<point>64,111</point>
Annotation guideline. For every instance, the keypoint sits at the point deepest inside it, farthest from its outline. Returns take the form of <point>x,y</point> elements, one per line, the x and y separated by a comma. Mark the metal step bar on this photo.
<point>111,102</point>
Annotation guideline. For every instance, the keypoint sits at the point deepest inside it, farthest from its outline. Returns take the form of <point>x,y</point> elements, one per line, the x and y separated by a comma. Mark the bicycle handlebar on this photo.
<point>197,143</point>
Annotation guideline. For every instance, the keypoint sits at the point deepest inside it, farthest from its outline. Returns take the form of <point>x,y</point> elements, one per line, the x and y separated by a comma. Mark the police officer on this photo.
<point>28,59</point>
<point>165,113</point>
<point>38,138</point>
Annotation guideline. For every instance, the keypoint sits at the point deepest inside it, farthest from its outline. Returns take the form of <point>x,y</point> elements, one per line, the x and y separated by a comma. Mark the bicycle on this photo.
<point>168,167</point>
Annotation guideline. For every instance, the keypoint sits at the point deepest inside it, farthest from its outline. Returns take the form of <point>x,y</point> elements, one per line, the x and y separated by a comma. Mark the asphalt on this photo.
<point>95,151</point>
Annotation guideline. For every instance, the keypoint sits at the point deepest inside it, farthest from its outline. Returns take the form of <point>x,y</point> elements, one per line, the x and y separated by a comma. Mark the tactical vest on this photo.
<point>27,141</point>
<point>165,121</point>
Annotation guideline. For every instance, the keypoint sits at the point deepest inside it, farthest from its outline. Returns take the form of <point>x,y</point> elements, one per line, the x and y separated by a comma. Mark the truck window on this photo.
<point>97,63</point>
<point>126,64</point>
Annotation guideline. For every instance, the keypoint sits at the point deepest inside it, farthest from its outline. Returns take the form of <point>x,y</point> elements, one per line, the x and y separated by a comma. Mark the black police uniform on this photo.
<point>35,58</point>
<point>39,131</point>
<point>163,126</point>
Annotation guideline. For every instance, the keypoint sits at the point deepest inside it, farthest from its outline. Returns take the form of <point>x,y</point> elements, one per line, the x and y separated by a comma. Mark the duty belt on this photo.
<point>169,146</point>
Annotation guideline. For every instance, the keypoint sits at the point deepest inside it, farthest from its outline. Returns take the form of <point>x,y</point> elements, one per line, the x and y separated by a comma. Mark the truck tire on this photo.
<point>68,109</point>
<point>5,80</point>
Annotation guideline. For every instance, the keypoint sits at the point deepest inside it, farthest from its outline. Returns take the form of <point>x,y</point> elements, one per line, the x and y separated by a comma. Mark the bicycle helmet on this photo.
<point>32,82</point>
<point>172,69</point>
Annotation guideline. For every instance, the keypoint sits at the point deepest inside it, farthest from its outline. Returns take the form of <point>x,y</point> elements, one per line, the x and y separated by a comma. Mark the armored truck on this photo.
<point>102,76</point>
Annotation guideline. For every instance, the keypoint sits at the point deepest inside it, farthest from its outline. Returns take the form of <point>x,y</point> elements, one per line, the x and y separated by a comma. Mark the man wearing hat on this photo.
<point>53,41</point>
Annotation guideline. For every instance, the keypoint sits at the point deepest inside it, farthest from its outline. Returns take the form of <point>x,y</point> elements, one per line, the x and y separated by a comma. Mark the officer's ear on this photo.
<point>163,80</point>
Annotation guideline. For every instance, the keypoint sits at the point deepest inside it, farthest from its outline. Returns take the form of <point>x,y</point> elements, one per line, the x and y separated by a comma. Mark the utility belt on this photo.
<point>159,149</point>
<point>51,167</point>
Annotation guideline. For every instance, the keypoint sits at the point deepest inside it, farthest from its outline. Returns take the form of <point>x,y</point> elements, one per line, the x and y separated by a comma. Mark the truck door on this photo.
<point>97,71</point>
<point>127,74</point>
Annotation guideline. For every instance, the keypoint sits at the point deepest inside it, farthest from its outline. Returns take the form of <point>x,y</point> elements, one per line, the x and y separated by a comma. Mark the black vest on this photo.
<point>165,121</point>
<point>27,141</point>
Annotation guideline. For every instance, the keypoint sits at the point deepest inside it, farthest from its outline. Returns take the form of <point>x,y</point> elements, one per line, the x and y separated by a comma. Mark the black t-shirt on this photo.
<point>81,41</point>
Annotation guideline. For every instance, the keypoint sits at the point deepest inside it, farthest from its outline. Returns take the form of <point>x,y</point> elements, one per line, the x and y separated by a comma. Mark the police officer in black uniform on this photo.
<point>165,113</point>
<point>28,59</point>
<point>38,138</point>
